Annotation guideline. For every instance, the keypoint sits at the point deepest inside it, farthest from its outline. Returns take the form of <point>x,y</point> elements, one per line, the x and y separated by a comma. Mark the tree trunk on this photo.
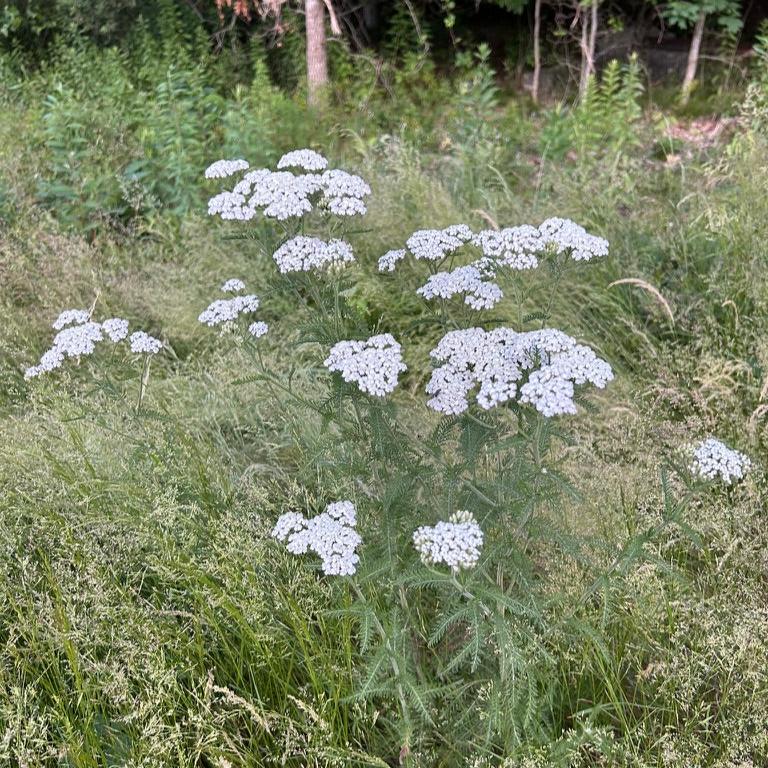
<point>693,58</point>
<point>593,38</point>
<point>586,64</point>
<point>536,51</point>
<point>317,58</point>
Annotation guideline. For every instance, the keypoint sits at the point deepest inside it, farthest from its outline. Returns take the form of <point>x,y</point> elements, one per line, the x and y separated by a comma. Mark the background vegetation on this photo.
<point>146,618</point>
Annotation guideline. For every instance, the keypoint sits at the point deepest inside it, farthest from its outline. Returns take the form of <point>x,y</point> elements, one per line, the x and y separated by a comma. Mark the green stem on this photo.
<point>143,382</point>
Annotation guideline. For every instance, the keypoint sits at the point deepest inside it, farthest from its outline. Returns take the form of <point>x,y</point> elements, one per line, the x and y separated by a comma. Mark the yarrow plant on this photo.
<point>79,336</point>
<point>478,442</point>
<point>714,460</point>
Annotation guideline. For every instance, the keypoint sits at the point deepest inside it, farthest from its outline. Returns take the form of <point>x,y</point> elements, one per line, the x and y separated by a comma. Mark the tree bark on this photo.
<point>536,51</point>
<point>693,58</point>
<point>317,57</point>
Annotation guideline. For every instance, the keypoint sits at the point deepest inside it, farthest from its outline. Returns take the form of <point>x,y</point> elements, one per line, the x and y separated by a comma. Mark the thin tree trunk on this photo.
<point>693,58</point>
<point>585,62</point>
<point>536,51</point>
<point>317,57</point>
<point>593,38</point>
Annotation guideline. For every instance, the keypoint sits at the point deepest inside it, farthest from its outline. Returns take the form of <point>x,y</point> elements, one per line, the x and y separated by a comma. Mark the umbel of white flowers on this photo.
<point>221,311</point>
<point>78,336</point>
<point>713,459</point>
<point>331,535</point>
<point>283,194</point>
<point>308,254</point>
<point>550,361</point>
<point>514,248</point>
<point>374,365</point>
<point>456,543</point>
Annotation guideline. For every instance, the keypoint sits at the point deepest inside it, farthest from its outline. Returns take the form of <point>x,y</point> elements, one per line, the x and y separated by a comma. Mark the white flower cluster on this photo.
<point>222,311</point>
<point>283,195</point>
<point>436,244</point>
<point>471,281</point>
<point>456,543</point>
<point>303,254</point>
<point>144,344</point>
<point>78,336</point>
<point>388,261</point>
<point>713,459</point>
<point>71,317</point>
<point>116,328</point>
<point>228,310</point>
<point>258,329</point>
<point>331,535</point>
<point>374,365</point>
<point>498,360</point>
<point>513,247</point>
<point>223,168</point>
<point>568,237</point>
<point>516,248</point>
<point>307,159</point>
<point>343,193</point>
<point>233,285</point>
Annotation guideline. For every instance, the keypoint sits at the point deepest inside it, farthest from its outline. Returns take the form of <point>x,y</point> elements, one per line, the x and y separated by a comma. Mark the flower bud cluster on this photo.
<point>498,362</point>
<point>713,459</point>
<point>331,535</point>
<point>457,542</point>
<point>374,365</point>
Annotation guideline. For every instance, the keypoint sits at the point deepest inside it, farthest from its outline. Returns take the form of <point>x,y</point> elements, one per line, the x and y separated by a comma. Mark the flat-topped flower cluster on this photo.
<point>78,335</point>
<point>283,194</point>
<point>225,311</point>
<point>714,460</point>
<point>456,543</point>
<point>540,368</point>
<point>513,248</point>
<point>331,535</point>
<point>374,365</point>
